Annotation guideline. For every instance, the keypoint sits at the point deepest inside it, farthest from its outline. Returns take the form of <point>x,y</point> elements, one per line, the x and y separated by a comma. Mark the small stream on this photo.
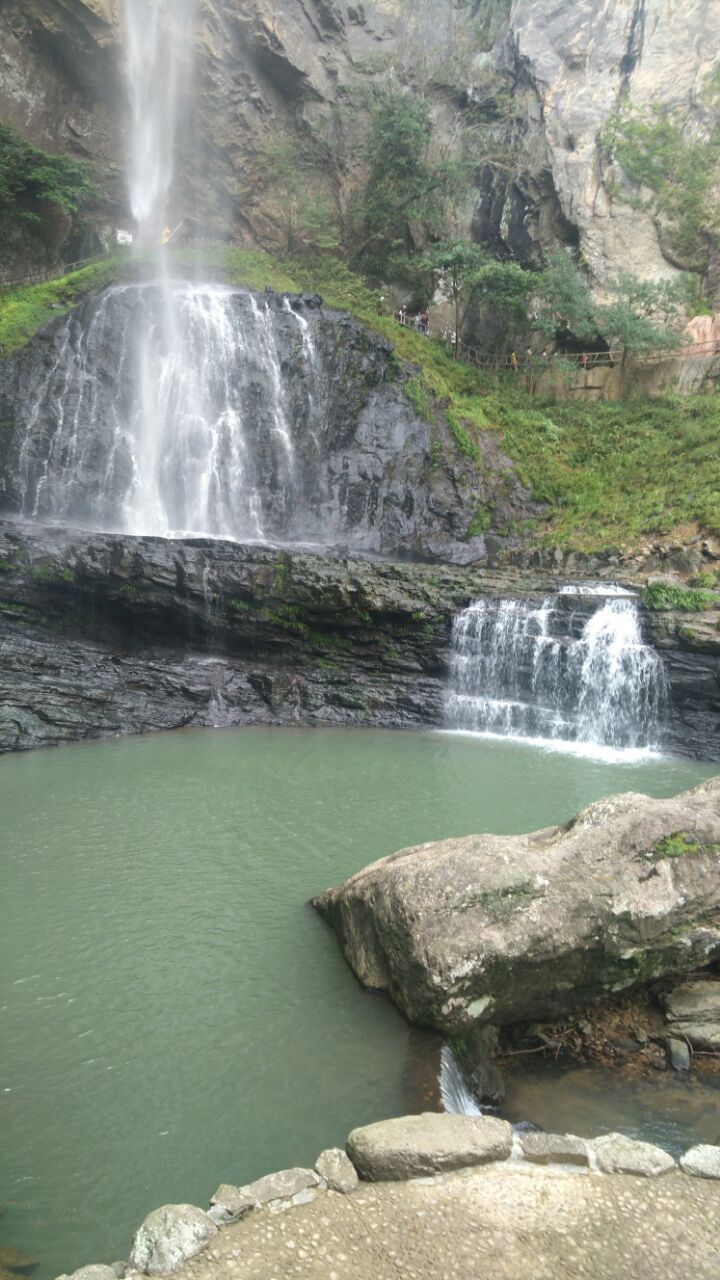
<point>172,1012</point>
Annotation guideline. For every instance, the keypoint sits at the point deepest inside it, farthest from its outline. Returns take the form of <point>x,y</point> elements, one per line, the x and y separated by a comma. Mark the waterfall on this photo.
<point>549,671</point>
<point>157,42</point>
<point>216,425</point>
<point>454,1092</point>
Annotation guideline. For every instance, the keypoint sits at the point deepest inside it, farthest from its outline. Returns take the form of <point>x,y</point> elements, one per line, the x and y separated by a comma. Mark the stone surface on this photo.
<point>701,1162</point>
<point>281,1186</point>
<point>168,1237</point>
<point>693,1013</point>
<point>415,1146</point>
<point>554,1148</point>
<point>93,1272</point>
<point>334,1167</point>
<point>511,1221</point>
<point>614,1153</point>
<point>231,1203</point>
<point>505,929</point>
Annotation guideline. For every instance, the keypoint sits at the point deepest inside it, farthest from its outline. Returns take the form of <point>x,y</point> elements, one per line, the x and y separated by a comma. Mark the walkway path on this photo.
<point>508,1222</point>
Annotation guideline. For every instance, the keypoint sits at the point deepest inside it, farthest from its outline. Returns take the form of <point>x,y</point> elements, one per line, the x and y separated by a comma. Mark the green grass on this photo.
<point>659,596</point>
<point>611,475</point>
<point>24,311</point>
<point>679,845</point>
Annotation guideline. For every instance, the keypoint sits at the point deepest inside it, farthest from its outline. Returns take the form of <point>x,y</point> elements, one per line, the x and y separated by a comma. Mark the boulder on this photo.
<point>554,1148</point>
<point>506,929</point>
<point>167,1238</point>
<point>236,1202</point>
<point>614,1153</point>
<point>678,1053</point>
<point>336,1170</point>
<point>229,1204</point>
<point>415,1146</point>
<point>701,1162</point>
<point>693,1013</point>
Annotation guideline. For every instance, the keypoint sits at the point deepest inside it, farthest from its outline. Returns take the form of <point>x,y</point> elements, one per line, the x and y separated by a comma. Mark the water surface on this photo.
<point>172,1013</point>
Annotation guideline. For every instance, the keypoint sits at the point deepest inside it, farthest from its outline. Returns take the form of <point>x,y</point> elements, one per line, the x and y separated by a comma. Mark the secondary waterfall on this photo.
<point>212,424</point>
<point>550,671</point>
<point>455,1094</point>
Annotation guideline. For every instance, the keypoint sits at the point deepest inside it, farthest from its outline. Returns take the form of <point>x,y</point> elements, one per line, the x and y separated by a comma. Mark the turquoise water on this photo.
<point>172,1012</point>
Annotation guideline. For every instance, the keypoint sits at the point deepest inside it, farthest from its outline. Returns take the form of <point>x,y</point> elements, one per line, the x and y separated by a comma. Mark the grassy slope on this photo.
<point>611,474</point>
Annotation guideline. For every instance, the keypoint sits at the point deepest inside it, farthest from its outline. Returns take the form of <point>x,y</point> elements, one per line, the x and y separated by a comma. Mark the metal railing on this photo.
<point>43,275</point>
<point>584,360</point>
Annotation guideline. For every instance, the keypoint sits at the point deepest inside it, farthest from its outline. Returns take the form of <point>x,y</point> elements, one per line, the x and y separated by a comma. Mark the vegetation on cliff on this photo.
<point>40,194</point>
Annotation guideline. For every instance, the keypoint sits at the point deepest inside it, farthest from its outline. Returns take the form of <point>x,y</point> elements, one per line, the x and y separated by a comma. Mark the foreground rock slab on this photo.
<point>503,929</point>
<point>508,1222</point>
<point>413,1146</point>
<point>168,1237</point>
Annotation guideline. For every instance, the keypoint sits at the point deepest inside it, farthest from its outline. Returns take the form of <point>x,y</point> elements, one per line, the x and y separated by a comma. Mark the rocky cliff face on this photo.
<point>576,61</point>
<point>106,634</point>
<point>525,86</point>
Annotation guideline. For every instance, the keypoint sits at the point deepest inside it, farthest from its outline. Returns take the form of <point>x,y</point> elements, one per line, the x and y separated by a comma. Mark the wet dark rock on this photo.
<point>368,472</point>
<point>16,1259</point>
<point>678,1054</point>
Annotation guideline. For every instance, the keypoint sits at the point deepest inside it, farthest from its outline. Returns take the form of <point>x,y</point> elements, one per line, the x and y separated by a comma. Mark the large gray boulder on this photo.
<point>168,1237</point>
<point>415,1146</point>
<point>505,929</point>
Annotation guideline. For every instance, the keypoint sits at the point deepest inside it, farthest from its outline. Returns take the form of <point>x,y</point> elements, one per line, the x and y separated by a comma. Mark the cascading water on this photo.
<point>455,1094</point>
<point>541,671</point>
<point>211,425</point>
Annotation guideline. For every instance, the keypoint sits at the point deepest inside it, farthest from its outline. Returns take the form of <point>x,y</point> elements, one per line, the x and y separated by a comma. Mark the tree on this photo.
<point>31,179</point>
<point>308,216</point>
<point>565,302</point>
<point>471,275</point>
<point>460,265</point>
<point>641,315</point>
<point>402,186</point>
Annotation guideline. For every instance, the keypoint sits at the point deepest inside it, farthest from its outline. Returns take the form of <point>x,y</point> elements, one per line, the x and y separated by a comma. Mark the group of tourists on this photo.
<point>419,322</point>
